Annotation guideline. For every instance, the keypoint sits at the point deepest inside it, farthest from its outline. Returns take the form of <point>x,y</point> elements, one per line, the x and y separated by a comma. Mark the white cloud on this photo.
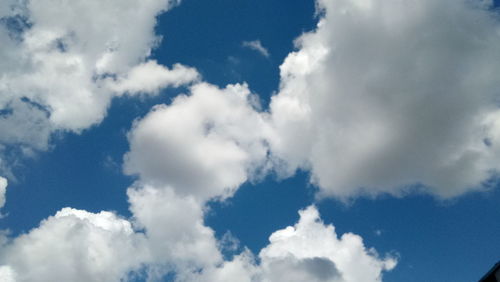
<point>241,268</point>
<point>3,190</point>
<point>205,144</point>
<point>58,65</point>
<point>7,274</point>
<point>75,245</point>
<point>307,251</point>
<point>202,146</point>
<point>311,250</point>
<point>150,77</point>
<point>167,235</point>
<point>256,45</point>
<point>388,94</point>
<point>177,237</point>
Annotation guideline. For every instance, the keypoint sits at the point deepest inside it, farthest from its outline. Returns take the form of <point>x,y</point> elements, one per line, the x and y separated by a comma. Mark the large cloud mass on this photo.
<point>388,94</point>
<point>167,235</point>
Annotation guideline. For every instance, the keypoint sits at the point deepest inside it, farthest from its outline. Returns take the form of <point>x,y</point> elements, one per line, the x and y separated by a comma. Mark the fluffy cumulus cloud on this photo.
<point>166,235</point>
<point>205,144</point>
<point>387,95</point>
<point>307,251</point>
<point>311,251</point>
<point>177,238</point>
<point>74,245</point>
<point>62,62</point>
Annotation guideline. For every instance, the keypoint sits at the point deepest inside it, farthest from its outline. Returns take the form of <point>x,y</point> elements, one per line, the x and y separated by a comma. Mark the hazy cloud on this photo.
<point>256,45</point>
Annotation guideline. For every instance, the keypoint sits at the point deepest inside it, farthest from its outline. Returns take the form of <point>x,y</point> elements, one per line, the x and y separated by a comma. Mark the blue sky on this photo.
<point>384,119</point>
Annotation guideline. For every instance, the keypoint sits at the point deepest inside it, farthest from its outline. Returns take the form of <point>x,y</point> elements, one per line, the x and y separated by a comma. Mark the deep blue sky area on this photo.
<point>216,29</point>
<point>456,240</point>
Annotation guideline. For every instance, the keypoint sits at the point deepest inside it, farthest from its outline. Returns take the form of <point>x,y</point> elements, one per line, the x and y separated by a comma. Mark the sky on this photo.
<point>249,140</point>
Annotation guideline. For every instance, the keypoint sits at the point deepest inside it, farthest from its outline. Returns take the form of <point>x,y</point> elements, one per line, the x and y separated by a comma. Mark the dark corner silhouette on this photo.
<point>493,275</point>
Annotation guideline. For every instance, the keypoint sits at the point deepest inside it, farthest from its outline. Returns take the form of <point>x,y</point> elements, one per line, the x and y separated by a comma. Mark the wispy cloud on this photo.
<point>257,46</point>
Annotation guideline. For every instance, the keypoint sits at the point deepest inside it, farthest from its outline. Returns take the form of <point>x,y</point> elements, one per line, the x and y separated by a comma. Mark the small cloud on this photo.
<point>3,190</point>
<point>229,243</point>
<point>233,60</point>
<point>257,46</point>
<point>111,164</point>
<point>378,232</point>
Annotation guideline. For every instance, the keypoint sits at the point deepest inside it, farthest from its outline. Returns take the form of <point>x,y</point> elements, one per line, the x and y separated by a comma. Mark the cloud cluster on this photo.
<point>387,95</point>
<point>205,145</point>
<point>62,63</point>
<point>201,146</point>
<point>381,96</point>
<point>76,245</point>
<point>307,251</point>
<point>165,235</point>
